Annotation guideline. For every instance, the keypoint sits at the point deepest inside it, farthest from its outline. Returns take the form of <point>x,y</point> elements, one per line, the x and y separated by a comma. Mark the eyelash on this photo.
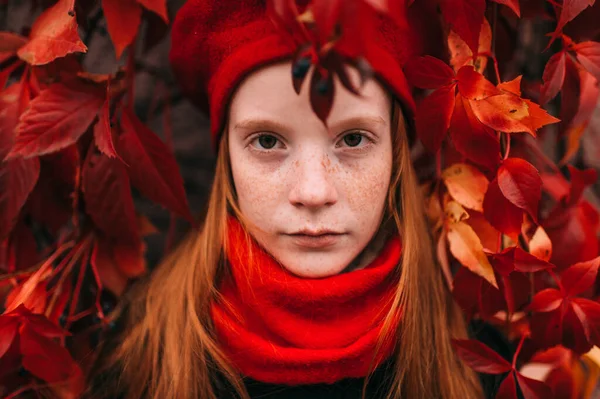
<point>364,135</point>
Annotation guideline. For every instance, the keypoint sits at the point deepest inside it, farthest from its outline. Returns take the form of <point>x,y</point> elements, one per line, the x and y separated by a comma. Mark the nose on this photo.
<point>313,186</point>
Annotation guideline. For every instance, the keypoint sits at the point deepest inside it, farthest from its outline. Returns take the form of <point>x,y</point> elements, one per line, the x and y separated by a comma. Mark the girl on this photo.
<point>313,274</point>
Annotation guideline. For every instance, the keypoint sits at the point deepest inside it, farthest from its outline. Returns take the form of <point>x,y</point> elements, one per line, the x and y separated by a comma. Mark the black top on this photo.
<point>349,388</point>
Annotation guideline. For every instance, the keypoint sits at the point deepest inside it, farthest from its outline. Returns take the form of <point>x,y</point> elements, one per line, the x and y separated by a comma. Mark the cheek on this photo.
<point>366,186</point>
<point>257,187</point>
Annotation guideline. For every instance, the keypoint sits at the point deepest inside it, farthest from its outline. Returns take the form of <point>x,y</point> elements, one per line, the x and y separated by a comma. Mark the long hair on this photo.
<point>168,348</point>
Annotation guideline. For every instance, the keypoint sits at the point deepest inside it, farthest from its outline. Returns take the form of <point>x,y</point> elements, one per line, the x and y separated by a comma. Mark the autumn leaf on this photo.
<point>554,76</point>
<point>521,184</point>
<point>461,54</point>
<point>103,132</point>
<point>512,4</point>
<point>510,113</point>
<point>471,138</point>
<point>152,167</point>
<point>500,212</point>
<point>55,119</point>
<point>467,248</point>
<point>123,18</point>
<point>465,17</point>
<point>588,55</point>
<point>107,195</point>
<point>466,184</point>
<point>428,72</point>
<point>480,357</point>
<point>473,85</point>
<point>433,117</point>
<point>18,177</point>
<point>11,42</point>
<point>159,7</point>
<point>53,35</point>
<point>570,9</point>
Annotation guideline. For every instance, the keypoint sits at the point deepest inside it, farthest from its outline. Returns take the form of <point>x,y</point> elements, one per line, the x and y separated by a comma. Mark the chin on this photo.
<point>315,265</point>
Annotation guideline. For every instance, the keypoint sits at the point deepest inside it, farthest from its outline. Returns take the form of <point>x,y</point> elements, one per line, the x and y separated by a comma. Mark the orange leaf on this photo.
<point>510,113</point>
<point>512,86</point>
<point>467,248</point>
<point>455,212</point>
<point>540,245</point>
<point>466,184</point>
<point>53,35</point>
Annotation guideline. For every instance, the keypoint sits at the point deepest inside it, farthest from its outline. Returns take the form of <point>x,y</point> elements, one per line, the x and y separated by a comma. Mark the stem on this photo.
<point>76,292</point>
<point>556,279</point>
<point>493,45</point>
<point>514,361</point>
<point>33,269</point>
<point>507,149</point>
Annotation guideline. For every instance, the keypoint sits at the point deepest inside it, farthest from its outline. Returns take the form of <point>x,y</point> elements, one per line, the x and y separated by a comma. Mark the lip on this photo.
<point>316,241</point>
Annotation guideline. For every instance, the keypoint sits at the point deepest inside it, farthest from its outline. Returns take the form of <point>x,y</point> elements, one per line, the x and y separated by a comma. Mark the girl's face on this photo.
<point>315,193</point>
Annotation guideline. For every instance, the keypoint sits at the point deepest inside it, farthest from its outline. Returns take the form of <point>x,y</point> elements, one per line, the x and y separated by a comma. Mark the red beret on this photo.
<point>215,43</point>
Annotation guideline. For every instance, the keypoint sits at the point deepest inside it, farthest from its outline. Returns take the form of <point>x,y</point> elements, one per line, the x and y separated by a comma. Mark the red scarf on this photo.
<point>280,328</point>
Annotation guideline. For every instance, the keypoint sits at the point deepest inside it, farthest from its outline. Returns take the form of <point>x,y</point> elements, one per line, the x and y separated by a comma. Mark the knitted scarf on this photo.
<point>280,328</point>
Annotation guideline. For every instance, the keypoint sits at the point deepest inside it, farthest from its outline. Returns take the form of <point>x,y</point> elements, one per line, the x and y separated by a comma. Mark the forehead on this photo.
<point>268,91</point>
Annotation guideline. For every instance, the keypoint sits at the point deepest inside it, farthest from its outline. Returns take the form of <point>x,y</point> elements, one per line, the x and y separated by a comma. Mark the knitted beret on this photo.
<point>216,43</point>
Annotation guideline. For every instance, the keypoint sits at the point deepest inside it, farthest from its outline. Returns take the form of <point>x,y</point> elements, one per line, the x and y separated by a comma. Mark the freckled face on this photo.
<point>315,194</point>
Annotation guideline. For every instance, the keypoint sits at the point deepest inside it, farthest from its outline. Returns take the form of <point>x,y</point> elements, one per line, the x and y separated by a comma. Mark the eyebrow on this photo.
<point>261,123</point>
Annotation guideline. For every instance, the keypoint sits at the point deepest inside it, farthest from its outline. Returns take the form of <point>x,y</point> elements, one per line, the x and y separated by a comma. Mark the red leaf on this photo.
<point>159,7</point>
<point>45,358</point>
<point>8,331</point>
<point>11,42</point>
<point>579,277</point>
<point>123,18</point>
<point>570,9</point>
<point>152,167</point>
<point>554,76</point>
<point>473,85</point>
<point>521,184</point>
<point>433,117</point>
<point>580,179</point>
<point>428,72</point>
<point>322,91</point>
<point>471,138</point>
<point>17,177</point>
<point>512,4</point>
<point>546,300</point>
<point>53,35</point>
<point>508,388</point>
<point>480,357</point>
<point>533,389</point>
<point>103,132</point>
<point>588,55</point>
<point>500,212</point>
<point>465,17</point>
<point>515,258</point>
<point>55,119</point>
<point>107,194</point>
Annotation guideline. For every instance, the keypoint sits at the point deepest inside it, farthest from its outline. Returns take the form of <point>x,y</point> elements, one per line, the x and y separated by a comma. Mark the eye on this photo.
<point>354,139</point>
<point>265,141</point>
